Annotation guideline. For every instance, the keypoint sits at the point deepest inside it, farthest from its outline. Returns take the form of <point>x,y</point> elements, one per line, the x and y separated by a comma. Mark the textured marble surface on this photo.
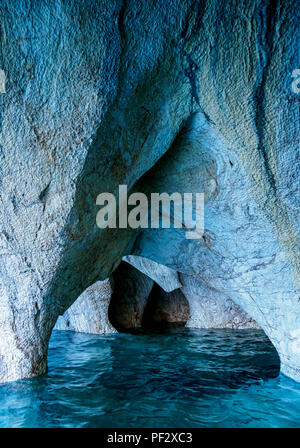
<point>211,309</point>
<point>96,93</point>
<point>129,298</point>
<point>166,308</point>
<point>165,277</point>
<point>240,256</point>
<point>89,313</point>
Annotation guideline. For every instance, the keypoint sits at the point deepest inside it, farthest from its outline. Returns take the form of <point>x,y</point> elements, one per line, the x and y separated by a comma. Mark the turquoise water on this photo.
<point>181,378</point>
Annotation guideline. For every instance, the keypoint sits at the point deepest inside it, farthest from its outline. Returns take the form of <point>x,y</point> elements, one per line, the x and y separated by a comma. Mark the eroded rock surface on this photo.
<point>166,309</point>
<point>139,302</point>
<point>162,275</point>
<point>211,309</point>
<point>89,313</point>
<point>96,93</point>
<point>240,256</point>
<point>131,292</point>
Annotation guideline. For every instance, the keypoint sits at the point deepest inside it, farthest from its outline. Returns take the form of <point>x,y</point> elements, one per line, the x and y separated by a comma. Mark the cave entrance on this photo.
<point>165,310</point>
<point>138,303</point>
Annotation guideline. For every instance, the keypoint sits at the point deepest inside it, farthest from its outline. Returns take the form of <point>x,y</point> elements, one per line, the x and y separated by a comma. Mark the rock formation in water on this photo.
<point>129,298</point>
<point>138,302</point>
<point>165,309</point>
<point>99,93</point>
<point>89,313</point>
<point>211,309</point>
<point>165,277</point>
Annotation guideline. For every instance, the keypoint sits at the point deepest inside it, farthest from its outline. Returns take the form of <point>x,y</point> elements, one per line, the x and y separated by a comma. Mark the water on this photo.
<point>182,378</point>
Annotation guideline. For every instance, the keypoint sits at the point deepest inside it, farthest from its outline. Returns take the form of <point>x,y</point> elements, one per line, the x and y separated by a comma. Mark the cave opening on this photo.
<point>140,304</point>
<point>165,310</point>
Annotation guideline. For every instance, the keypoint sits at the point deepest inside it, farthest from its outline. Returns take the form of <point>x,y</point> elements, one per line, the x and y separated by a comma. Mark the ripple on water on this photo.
<point>181,378</point>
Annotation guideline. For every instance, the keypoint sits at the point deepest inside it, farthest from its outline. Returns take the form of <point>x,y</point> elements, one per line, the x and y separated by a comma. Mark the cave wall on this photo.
<point>131,300</point>
<point>211,308</point>
<point>239,257</point>
<point>89,313</point>
<point>96,93</point>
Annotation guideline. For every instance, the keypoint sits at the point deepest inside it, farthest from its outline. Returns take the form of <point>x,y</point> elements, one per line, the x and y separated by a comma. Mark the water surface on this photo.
<point>182,378</point>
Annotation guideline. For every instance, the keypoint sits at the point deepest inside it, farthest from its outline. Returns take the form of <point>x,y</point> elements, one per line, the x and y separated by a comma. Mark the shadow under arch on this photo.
<point>197,161</point>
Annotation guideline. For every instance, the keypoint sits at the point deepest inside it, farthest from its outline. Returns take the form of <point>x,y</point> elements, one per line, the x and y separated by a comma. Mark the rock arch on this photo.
<point>72,127</point>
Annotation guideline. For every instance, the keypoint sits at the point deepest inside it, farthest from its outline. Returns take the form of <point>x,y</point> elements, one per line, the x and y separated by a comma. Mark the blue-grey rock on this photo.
<point>209,308</point>
<point>129,298</point>
<point>165,277</point>
<point>89,313</point>
<point>165,309</point>
<point>240,256</point>
<point>96,93</point>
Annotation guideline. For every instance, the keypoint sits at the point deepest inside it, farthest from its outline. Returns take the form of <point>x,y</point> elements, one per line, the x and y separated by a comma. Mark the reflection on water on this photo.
<point>181,378</point>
